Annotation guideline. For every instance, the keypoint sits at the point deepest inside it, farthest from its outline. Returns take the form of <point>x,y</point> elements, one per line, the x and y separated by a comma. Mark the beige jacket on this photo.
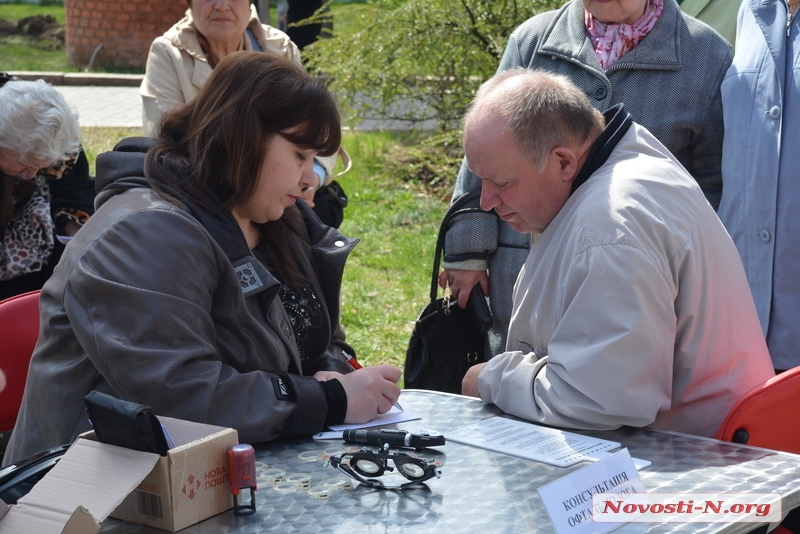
<point>632,307</point>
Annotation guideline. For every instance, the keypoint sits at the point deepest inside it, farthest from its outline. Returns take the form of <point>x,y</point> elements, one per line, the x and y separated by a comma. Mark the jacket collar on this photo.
<point>123,169</point>
<point>253,276</point>
<point>183,36</point>
<point>566,37</point>
<point>771,17</point>
<point>618,121</point>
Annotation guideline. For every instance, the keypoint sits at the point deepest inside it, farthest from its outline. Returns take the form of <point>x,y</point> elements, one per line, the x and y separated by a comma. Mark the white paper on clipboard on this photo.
<point>393,416</point>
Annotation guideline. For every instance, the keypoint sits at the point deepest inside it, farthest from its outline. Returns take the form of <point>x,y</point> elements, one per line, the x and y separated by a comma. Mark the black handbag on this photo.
<point>446,340</point>
<point>126,424</point>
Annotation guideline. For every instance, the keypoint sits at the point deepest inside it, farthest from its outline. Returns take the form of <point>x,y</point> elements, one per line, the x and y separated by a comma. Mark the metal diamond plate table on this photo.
<point>484,491</point>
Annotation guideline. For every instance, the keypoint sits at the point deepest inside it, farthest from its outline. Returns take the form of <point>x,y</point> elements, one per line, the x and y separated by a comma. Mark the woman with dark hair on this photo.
<point>181,61</point>
<point>199,287</point>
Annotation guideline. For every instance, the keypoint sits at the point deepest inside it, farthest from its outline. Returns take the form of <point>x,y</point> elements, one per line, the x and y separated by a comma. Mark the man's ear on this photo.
<point>567,162</point>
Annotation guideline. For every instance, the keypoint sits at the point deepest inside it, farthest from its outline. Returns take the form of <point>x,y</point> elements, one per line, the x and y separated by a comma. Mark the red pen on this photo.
<point>352,361</point>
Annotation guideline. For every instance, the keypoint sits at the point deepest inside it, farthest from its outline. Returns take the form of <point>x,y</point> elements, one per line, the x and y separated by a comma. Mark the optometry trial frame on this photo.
<point>366,466</point>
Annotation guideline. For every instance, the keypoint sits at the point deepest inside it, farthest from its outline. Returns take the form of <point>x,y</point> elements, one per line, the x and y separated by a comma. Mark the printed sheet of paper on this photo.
<point>534,442</point>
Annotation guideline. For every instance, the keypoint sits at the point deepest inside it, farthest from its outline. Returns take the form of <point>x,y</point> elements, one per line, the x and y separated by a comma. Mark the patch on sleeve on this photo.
<point>283,388</point>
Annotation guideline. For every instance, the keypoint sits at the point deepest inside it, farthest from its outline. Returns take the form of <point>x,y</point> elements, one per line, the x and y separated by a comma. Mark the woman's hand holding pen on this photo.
<point>370,391</point>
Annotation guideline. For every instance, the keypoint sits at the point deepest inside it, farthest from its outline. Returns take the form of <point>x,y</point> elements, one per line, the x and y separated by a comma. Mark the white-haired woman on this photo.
<point>45,187</point>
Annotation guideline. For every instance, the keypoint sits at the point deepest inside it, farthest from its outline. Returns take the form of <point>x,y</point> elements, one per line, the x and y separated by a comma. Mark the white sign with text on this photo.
<point>568,500</point>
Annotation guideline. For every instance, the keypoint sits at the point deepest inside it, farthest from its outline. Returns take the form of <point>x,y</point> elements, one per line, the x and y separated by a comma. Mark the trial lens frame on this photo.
<point>365,466</point>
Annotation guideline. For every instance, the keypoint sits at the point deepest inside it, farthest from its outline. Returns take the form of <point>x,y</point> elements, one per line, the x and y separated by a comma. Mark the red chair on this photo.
<point>767,415</point>
<point>19,330</point>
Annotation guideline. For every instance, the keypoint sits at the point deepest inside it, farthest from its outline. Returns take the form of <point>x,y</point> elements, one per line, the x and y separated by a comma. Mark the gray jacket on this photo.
<point>145,305</point>
<point>669,83</point>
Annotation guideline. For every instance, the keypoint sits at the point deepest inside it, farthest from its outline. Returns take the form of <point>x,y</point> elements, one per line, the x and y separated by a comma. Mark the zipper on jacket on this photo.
<point>789,20</point>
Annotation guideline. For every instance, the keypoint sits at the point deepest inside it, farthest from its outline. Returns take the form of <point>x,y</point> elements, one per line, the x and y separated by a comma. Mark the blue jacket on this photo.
<point>760,194</point>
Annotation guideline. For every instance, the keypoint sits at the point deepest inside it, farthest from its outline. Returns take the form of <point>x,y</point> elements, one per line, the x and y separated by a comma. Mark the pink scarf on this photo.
<point>612,41</point>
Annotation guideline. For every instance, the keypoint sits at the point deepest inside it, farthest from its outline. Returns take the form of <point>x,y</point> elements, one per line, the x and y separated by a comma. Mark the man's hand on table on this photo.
<point>469,385</point>
<point>370,391</point>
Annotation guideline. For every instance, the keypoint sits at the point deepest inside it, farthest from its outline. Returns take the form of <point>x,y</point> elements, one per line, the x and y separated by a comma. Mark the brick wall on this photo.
<point>125,27</point>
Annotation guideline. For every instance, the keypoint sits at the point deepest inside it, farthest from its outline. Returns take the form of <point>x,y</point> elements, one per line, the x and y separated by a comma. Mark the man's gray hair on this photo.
<point>542,111</point>
<point>36,122</point>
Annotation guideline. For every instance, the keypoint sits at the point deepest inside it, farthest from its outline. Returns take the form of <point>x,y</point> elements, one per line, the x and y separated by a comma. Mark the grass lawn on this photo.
<point>14,12</point>
<point>387,278</point>
<point>20,53</point>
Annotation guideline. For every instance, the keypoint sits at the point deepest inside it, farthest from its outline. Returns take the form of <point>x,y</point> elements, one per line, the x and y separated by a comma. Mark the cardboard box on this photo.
<point>95,480</point>
<point>188,485</point>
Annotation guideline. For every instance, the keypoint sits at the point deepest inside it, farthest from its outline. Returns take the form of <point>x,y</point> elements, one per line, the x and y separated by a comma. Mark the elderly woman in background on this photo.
<point>201,287</point>
<point>45,187</point>
<point>663,65</point>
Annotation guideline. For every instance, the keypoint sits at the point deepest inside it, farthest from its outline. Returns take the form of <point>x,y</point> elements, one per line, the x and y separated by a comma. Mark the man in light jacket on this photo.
<point>632,307</point>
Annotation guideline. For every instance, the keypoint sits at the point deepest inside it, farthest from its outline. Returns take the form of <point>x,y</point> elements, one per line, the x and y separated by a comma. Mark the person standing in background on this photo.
<point>760,167</point>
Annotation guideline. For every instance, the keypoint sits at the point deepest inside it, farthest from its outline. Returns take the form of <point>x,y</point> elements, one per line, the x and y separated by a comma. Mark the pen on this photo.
<point>352,361</point>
